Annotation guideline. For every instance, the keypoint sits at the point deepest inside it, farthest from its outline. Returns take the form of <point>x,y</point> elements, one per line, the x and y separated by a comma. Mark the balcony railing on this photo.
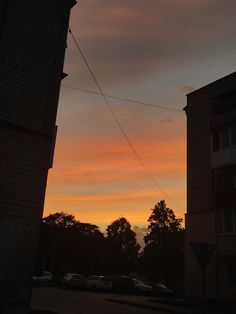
<point>224,120</point>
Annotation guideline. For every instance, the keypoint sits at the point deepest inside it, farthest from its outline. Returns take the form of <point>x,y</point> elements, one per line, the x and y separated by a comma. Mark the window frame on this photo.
<point>233,135</point>
<point>221,214</point>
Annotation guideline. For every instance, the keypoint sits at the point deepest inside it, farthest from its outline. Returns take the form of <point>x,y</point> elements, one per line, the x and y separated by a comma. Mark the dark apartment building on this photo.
<point>32,46</point>
<point>211,189</point>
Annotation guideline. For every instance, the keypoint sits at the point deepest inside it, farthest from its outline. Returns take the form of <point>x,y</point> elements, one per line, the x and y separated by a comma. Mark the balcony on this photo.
<point>223,121</point>
<point>223,140</point>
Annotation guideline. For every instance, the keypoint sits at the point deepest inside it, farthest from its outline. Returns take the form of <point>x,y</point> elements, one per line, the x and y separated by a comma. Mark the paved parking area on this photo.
<point>62,301</point>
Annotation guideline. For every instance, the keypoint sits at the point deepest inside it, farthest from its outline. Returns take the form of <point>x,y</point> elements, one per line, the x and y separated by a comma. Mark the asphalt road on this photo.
<point>81,302</point>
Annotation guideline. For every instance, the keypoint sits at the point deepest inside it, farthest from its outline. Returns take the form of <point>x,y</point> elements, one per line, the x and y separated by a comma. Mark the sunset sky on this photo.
<point>155,51</point>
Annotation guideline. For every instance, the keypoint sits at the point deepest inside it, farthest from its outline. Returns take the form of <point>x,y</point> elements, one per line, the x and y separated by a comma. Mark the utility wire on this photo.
<point>122,98</point>
<point>118,122</point>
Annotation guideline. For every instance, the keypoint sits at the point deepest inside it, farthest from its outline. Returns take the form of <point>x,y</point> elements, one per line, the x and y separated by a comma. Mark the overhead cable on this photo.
<point>122,98</point>
<point>156,183</point>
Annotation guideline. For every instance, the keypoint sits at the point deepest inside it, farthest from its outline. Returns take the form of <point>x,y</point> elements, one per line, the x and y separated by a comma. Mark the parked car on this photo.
<point>142,287</point>
<point>161,290</point>
<point>123,284</point>
<point>177,286</point>
<point>43,279</point>
<point>99,283</point>
<point>73,281</point>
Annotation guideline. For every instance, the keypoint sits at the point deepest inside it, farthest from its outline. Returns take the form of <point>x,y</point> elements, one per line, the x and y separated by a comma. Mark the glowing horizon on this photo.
<point>156,53</point>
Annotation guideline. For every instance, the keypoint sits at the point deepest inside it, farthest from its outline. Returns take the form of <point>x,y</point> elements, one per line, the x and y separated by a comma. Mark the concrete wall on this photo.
<point>200,198</point>
<point>32,45</point>
<point>199,229</point>
<point>218,285</point>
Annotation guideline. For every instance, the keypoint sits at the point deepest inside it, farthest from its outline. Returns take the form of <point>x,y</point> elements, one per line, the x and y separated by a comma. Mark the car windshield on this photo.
<point>95,277</point>
<point>138,282</point>
<point>160,285</point>
<point>77,277</point>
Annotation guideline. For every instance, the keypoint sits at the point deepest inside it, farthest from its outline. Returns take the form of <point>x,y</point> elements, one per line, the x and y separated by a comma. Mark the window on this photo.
<point>219,183</point>
<point>218,221</point>
<point>232,181</point>
<point>225,139</point>
<point>225,221</point>
<point>228,221</point>
<point>233,135</point>
<point>218,108</point>
<point>234,220</point>
<point>216,141</point>
<point>232,273</point>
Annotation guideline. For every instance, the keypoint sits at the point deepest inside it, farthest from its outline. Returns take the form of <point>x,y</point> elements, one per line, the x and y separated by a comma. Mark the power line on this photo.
<point>122,98</point>
<point>118,122</point>
<point>178,72</point>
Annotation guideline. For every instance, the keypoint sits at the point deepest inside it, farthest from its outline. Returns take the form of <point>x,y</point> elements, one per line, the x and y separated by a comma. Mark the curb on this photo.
<point>150,306</point>
<point>41,312</point>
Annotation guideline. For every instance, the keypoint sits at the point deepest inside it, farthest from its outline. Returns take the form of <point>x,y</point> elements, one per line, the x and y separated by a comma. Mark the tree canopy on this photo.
<point>65,220</point>
<point>163,255</point>
<point>60,219</point>
<point>123,245</point>
<point>162,220</point>
<point>68,244</point>
<point>120,231</point>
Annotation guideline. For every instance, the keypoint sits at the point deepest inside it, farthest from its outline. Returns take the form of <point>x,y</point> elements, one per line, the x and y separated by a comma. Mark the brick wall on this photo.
<point>32,46</point>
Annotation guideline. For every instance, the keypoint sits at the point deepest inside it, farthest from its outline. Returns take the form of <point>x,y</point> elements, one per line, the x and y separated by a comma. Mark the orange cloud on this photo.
<point>100,179</point>
<point>111,160</point>
<point>125,196</point>
<point>147,51</point>
<point>188,89</point>
<point>103,209</point>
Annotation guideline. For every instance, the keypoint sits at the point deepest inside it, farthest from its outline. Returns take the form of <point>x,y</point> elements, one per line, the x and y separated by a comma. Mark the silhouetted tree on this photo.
<point>163,255</point>
<point>123,248</point>
<point>88,230</point>
<point>162,222</point>
<point>66,243</point>
<point>61,219</point>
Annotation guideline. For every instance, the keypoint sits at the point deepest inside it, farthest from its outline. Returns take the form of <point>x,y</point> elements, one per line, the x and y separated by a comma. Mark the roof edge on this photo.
<point>212,83</point>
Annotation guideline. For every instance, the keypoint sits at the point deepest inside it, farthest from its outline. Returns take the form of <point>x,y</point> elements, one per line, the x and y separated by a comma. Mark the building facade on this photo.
<point>32,46</point>
<point>211,189</point>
